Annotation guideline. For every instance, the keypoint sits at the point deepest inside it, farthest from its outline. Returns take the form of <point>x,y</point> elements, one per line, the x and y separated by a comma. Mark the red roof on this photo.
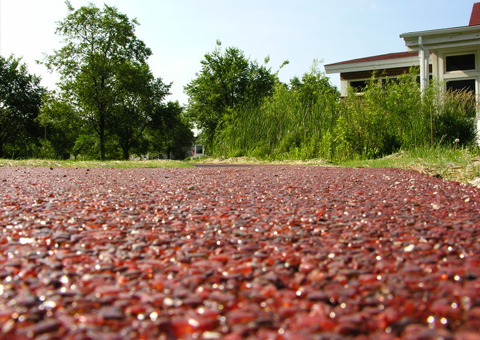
<point>475,17</point>
<point>396,55</point>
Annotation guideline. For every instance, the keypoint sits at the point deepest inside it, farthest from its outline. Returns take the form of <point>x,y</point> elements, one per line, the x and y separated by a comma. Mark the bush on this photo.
<point>289,124</point>
<point>306,120</point>
<point>455,119</point>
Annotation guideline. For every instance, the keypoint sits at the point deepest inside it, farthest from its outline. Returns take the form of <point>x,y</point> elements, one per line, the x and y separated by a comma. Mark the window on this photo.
<point>461,85</point>
<point>460,62</point>
<point>199,149</point>
<point>359,85</point>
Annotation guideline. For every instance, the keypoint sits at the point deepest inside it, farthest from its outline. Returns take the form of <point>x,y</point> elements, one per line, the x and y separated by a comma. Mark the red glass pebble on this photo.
<point>238,252</point>
<point>44,326</point>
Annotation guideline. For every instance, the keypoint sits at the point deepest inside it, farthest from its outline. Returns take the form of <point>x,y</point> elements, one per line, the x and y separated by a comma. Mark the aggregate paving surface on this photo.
<point>253,252</point>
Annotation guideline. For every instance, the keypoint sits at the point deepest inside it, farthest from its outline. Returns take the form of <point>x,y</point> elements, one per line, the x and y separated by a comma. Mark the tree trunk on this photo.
<point>101,132</point>
<point>102,144</point>
<point>126,154</point>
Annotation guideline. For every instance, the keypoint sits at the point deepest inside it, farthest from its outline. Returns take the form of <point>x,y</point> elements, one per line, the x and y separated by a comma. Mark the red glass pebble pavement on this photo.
<point>253,252</point>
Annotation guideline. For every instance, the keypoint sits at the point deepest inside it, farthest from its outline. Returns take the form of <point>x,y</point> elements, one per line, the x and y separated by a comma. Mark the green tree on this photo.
<point>61,126</point>
<point>169,132</point>
<point>20,103</point>
<point>313,86</point>
<point>138,95</point>
<point>180,136</point>
<point>99,44</point>
<point>227,80</point>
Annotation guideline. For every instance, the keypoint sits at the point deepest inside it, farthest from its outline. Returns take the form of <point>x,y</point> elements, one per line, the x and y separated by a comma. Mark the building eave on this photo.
<point>442,38</point>
<point>371,65</point>
<point>441,31</point>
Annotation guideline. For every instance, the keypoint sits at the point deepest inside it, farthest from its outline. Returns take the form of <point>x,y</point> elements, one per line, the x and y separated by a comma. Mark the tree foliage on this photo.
<point>169,117</point>
<point>227,80</point>
<point>61,126</point>
<point>20,102</point>
<point>139,95</point>
<point>101,65</point>
<point>313,86</point>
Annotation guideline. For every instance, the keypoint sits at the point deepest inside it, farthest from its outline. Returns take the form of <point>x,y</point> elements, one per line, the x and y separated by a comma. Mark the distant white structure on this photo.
<point>197,151</point>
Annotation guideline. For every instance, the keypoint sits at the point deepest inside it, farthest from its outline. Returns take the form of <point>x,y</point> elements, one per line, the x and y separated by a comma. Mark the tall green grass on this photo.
<point>307,119</point>
<point>297,122</point>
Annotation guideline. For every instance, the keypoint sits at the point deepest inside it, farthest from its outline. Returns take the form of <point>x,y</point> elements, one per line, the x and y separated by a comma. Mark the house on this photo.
<point>356,73</point>
<point>451,55</point>
<point>197,151</point>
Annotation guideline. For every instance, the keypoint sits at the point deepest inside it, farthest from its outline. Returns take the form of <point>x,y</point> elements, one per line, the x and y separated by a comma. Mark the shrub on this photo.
<point>306,119</point>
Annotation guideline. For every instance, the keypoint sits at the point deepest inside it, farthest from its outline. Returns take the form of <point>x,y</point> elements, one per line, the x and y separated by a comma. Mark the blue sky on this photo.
<point>181,32</point>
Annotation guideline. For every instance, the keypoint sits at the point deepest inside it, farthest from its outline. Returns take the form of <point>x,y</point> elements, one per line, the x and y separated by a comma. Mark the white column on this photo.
<point>426,67</point>
<point>477,99</point>
<point>424,64</point>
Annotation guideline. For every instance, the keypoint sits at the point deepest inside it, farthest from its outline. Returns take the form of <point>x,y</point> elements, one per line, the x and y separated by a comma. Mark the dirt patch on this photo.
<point>274,252</point>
